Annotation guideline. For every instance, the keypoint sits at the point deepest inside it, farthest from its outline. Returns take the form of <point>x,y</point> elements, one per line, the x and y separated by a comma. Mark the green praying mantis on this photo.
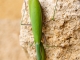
<point>36,22</point>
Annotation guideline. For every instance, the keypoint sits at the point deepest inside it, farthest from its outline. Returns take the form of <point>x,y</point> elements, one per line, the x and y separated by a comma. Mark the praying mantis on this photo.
<point>36,22</point>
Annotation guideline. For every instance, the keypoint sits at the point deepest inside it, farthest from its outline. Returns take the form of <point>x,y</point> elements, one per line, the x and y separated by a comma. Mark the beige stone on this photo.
<point>63,34</point>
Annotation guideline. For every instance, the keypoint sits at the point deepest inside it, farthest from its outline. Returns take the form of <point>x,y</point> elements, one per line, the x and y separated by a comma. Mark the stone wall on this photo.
<point>62,34</point>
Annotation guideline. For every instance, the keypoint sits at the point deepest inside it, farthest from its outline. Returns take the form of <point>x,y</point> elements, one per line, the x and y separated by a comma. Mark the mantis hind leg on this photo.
<point>53,18</point>
<point>25,24</point>
<point>43,52</point>
<point>44,38</point>
<point>38,48</point>
<point>40,51</point>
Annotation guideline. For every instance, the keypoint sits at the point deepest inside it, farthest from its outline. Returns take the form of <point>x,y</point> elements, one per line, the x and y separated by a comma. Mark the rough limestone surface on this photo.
<point>61,37</point>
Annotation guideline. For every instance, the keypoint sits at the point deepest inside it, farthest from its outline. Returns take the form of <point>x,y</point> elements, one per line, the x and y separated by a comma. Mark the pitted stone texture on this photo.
<point>63,32</point>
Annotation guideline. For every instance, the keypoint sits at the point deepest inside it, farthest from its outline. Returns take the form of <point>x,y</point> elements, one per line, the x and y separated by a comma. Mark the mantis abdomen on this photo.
<point>36,22</point>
